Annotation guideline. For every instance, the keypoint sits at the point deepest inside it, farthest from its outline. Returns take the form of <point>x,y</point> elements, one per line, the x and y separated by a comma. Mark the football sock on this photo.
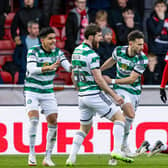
<point>118,132</point>
<point>32,134</point>
<point>77,141</point>
<point>128,123</point>
<point>51,139</point>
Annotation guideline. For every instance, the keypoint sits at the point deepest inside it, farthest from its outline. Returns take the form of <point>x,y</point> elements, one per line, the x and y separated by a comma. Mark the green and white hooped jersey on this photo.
<point>84,59</point>
<point>42,82</point>
<point>125,65</point>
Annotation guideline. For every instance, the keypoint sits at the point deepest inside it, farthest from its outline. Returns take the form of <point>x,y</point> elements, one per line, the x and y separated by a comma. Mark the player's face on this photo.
<point>49,42</point>
<point>96,39</point>
<point>137,46</point>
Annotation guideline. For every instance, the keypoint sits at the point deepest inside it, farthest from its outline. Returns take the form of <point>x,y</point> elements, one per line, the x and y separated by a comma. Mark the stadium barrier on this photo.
<point>150,123</point>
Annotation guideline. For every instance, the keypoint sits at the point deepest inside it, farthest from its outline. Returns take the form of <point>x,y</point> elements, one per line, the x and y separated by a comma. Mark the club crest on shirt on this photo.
<point>29,101</point>
<point>124,66</point>
<point>45,64</point>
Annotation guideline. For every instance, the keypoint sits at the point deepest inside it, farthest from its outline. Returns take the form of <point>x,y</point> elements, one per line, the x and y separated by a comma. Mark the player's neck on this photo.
<point>130,52</point>
<point>88,43</point>
<point>45,48</point>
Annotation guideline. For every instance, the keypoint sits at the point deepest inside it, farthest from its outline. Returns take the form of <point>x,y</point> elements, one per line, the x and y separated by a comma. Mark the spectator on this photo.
<point>102,21</point>
<point>127,25</point>
<point>152,74</point>
<point>21,2</point>
<point>27,41</point>
<point>4,9</point>
<point>52,7</point>
<point>22,17</point>
<point>96,5</point>
<point>105,50</point>
<point>157,28</point>
<point>77,20</point>
<point>115,15</point>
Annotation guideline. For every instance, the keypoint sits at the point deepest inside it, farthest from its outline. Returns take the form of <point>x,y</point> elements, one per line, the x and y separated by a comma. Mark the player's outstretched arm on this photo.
<point>128,80</point>
<point>107,64</point>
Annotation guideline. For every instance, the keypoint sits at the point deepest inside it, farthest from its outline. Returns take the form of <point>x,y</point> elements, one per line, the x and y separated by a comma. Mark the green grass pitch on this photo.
<point>86,161</point>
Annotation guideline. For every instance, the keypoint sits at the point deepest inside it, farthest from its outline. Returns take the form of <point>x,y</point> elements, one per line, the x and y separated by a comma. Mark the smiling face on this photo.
<point>49,42</point>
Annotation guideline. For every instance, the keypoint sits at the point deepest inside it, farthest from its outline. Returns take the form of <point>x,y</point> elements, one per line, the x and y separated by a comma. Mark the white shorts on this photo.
<point>47,102</point>
<point>129,98</point>
<point>98,103</point>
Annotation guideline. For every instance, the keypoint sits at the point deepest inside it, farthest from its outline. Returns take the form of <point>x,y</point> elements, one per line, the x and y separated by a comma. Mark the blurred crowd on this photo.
<point>116,18</point>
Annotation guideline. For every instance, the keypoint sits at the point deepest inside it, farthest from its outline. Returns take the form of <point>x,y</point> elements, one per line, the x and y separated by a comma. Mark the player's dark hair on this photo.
<point>136,34</point>
<point>91,29</point>
<point>45,31</point>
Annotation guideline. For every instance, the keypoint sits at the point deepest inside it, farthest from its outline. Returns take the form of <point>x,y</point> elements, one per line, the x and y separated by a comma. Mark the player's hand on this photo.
<point>163,95</point>
<point>107,79</point>
<point>55,65</point>
<point>119,100</point>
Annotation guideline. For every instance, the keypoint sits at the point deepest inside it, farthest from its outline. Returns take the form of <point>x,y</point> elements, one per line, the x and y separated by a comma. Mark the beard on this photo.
<point>95,44</point>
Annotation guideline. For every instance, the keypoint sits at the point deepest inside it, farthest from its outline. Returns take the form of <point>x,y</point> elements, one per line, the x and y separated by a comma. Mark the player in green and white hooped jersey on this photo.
<point>42,62</point>
<point>131,63</point>
<point>92,89</point>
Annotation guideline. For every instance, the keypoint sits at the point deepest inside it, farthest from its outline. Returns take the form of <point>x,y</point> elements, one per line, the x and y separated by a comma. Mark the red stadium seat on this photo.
<point>4,58</point>
<point>7,45</point>
<point>145,49</point>
<point>6,77</point>
<point>16,78</point>
<point>57,32</point>
<point>63,34</point>
<point>60,44</point>
<point>64,76</point>
<point>58,20</point>
<point>7,35</point>
<point>9,19</point>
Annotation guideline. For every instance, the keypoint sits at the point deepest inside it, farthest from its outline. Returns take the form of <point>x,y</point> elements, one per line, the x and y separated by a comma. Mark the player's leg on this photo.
<point>33,114</point>
<point>118,132</point>
<point>77,142</point>
<point>86,115</point>
<point>129,117</point>
<point>129,107</point>
<point>106,108</point>
<point>49,107</point>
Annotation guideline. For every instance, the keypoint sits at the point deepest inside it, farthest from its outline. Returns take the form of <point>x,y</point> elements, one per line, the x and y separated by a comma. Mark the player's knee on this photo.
<point>131,115</point>
<point>52,119</point>
<point>118,116</point>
